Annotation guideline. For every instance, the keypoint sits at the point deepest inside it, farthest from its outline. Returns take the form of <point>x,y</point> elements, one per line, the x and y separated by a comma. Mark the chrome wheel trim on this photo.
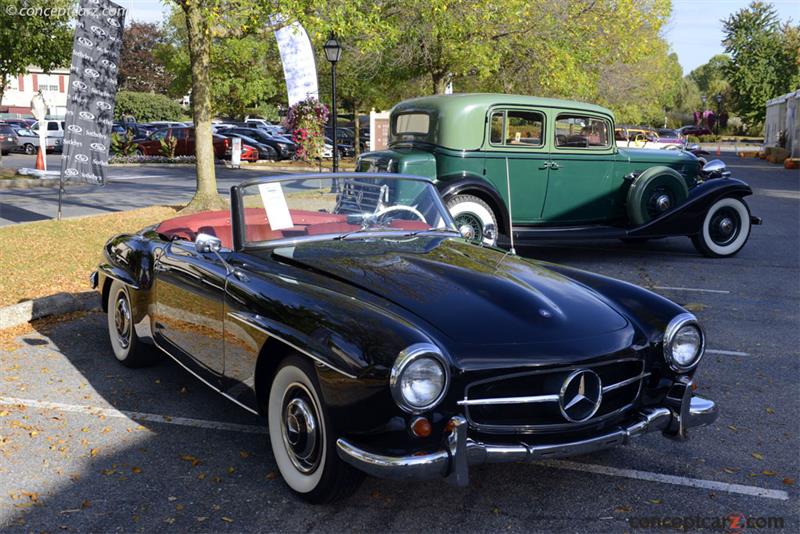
<point>663,202</point>
<point>300,429</point>
<point>473,222</point>
<point>711,225</point>
<point>122,320</point>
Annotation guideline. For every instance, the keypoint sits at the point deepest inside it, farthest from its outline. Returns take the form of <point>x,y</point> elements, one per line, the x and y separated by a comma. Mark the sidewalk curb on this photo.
<point>31,183</point>
<point>57,304</point>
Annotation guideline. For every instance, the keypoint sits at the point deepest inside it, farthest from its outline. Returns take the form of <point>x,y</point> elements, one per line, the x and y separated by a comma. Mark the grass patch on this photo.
<point>8,173</point>
<point>44,258</point>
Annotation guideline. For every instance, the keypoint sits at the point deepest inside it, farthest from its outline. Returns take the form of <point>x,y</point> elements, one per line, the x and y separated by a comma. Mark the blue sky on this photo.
<point>694,31</point>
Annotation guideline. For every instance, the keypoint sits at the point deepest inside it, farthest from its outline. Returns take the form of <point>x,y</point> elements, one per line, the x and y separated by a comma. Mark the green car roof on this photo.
<point>457,120</point>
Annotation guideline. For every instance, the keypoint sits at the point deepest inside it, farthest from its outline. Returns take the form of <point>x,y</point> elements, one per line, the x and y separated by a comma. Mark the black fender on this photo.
<point>687,219</point>
<point>450,186</point>
<point>129,258</point>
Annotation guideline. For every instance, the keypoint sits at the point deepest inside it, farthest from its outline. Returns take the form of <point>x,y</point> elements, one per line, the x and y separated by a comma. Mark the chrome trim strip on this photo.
<point>243,319</point>
<point>203,380</point>
<point>624,383</point>
<point>509,400</point>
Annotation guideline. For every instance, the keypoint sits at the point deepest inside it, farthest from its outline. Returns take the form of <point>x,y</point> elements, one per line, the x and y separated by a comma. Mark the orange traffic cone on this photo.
<point>40,160</point>
<point>718,150</point>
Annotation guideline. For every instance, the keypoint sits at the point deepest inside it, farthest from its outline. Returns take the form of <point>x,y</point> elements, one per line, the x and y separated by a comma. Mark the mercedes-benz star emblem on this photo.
<point>581,395</point>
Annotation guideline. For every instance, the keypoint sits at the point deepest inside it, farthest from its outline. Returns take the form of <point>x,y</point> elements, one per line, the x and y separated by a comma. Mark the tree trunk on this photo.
<point>2,94</point>
<point>356,130</point>
<point>197,25</point>
<point>439,82</point>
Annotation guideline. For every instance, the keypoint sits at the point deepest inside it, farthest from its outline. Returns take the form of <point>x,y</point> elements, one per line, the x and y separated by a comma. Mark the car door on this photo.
<point>516,159</point>
<point>190,296</point>
<point>581,186</point>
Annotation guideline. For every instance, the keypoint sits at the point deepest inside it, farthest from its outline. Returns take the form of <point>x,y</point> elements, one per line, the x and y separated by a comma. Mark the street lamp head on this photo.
<point>333,49</point>
<point>719,98</point>
<point>39,106</point>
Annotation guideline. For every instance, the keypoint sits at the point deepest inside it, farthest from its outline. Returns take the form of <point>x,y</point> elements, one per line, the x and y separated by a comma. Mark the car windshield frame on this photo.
<point>238,210</point>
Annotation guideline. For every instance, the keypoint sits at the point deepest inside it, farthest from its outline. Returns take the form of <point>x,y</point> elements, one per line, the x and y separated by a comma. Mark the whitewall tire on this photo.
<point>725,230</point>
<point>474,218</point>
<point>128,348</point>
<point>301,436</point>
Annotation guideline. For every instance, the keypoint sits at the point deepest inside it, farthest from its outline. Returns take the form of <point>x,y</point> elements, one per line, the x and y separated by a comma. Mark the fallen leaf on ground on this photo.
<point>227,519</point>
<point>695,306</point>
<point>768,473</point>
<point>622,509</point>
<point>730,470</point>
<point>86,504</point>
<point>788,481</point>
<point>770,410</point>
<point>94,452</point>
<point>655,501</point>
<point>757,455</point>
<point>271,475</point>
<point>136,470</point>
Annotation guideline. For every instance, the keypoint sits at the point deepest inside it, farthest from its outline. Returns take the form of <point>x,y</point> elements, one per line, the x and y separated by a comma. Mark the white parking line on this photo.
<point>741,489</point>
<point>727,352</point>
<point>136,416</point>
<point>697,290</point>
<point>557,464</point>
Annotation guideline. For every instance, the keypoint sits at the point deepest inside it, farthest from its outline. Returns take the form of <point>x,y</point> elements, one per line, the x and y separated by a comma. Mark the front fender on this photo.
<point>687,219</point>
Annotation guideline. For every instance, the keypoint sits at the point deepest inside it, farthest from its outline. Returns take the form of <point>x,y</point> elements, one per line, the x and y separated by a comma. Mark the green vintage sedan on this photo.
<point>515,168</point>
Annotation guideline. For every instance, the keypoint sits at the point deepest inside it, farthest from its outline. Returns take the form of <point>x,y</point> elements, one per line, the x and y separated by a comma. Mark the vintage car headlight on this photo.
<point>684,343</point>
<point>419,378</point>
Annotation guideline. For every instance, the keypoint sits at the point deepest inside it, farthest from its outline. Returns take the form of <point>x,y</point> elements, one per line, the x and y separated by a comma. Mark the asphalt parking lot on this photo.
<point>87,445</point>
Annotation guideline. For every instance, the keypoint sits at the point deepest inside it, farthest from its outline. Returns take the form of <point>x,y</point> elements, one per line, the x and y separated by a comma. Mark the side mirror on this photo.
<point>207,243</point>
<point>694,146</point>
<point>715,165</point>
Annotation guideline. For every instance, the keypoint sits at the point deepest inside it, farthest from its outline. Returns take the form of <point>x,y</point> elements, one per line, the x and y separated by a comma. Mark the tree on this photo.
<point>25,40</point>
<point>763,64</point>
<point>140,67</point>
<point>711,77</point>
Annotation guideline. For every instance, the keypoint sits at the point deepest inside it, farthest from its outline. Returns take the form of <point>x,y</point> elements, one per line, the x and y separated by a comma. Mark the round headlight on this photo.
<point>683,343</point>
<point>419,378</point>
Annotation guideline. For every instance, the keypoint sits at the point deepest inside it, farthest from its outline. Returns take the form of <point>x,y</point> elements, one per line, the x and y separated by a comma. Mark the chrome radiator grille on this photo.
<point>531,401</point>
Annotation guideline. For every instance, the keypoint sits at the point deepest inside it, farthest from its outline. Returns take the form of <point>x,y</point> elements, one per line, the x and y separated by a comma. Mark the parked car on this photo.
<point>16,124</point>
<point>518,168</point>
<point>28,142</point>
<point>345,150</point>
<point>332,315</point>
<point>669,135</point>
<point>263,151</point>
<point>284,147</point>
<point>696,131</point>
<point>345,136</point>
<point>185,143</point>
<point>639,137</point>
<point>55,128</point>
<point>8,139</point>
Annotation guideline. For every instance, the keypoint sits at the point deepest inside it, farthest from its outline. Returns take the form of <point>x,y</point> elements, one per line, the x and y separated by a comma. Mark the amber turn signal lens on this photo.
<point>694,386</point>
<point>451,425</point>
<point>421,427</point>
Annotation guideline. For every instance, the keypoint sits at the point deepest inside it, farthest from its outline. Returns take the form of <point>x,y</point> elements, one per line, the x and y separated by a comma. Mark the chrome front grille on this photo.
<point>528,402</point>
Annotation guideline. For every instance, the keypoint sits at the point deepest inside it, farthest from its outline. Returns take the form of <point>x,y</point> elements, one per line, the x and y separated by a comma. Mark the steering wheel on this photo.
<point>409,209</point>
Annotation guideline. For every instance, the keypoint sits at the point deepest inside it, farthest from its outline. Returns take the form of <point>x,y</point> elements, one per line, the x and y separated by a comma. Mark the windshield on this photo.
<point>312,208</point>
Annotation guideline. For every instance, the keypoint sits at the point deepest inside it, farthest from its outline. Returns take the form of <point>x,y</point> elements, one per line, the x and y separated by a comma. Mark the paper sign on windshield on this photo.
<point>275,205</point>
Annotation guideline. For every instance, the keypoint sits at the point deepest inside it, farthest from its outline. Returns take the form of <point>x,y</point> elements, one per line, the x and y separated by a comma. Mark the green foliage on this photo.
<point>306,121</point>
<point>764,59</point>
<point>123,145</point>
<point>25,39</point>
<point>146,107</point>
<point>711,77</point>
<point>167,146</point>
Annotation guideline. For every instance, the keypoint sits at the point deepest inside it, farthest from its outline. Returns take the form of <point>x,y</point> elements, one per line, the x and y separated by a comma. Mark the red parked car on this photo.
<point>151,146</point>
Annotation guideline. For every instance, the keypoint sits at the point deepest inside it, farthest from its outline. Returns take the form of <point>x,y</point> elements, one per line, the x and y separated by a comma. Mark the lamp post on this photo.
<point>703,111</point>
<point>333,51</point>
<point>718,98</point>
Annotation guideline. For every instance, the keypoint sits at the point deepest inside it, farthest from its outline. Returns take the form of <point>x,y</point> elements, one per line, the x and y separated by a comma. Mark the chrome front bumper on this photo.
<point>684,412</point>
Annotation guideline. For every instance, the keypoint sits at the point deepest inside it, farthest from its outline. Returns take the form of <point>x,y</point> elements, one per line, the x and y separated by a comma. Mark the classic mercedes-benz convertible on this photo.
<point>374,338</point>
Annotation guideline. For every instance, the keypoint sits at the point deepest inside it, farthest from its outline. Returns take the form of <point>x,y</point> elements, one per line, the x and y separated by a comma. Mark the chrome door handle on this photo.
<point>240,276</point>
<point>554,165</point>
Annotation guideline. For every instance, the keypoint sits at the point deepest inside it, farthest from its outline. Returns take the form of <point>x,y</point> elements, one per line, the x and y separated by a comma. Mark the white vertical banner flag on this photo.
<point>299,67</point>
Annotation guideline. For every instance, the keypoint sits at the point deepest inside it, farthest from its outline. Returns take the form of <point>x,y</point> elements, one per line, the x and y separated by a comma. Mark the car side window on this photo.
<point>582,131</point>
<point>52,126</point>
<point>517,128</point>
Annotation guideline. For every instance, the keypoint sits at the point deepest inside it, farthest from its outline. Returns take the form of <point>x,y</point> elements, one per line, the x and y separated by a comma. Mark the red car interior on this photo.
<point>218,223</point>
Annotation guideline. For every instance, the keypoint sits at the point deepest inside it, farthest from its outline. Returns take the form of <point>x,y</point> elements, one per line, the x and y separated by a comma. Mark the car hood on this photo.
<point>657,157</point>
<point>471,294</point>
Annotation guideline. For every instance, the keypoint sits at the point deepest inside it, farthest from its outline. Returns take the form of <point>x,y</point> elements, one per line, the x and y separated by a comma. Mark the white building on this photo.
<point>20,90</point>
<point>783,115</point>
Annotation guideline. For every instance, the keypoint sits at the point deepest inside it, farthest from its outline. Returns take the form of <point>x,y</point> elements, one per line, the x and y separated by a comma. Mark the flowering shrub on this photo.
<point>119,158</point>
<point>306,122</point>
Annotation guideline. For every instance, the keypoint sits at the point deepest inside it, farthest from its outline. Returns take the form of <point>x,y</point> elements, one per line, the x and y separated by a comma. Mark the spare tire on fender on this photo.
<point>656,190</point>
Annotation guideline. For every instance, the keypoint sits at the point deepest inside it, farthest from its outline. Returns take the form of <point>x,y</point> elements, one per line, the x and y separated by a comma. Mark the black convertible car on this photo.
<point>375,339</point>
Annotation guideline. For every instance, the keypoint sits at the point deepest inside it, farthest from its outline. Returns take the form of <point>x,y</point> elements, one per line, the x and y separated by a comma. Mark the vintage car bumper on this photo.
<point>461,452</point>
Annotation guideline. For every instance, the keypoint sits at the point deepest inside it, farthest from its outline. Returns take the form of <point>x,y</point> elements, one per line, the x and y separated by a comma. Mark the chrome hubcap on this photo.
<point>726,226</point>
<point>663,202</point>
<point>122,321</point>
<point>467,231</point>
<point>470,227</point>
<point>301,434</point>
